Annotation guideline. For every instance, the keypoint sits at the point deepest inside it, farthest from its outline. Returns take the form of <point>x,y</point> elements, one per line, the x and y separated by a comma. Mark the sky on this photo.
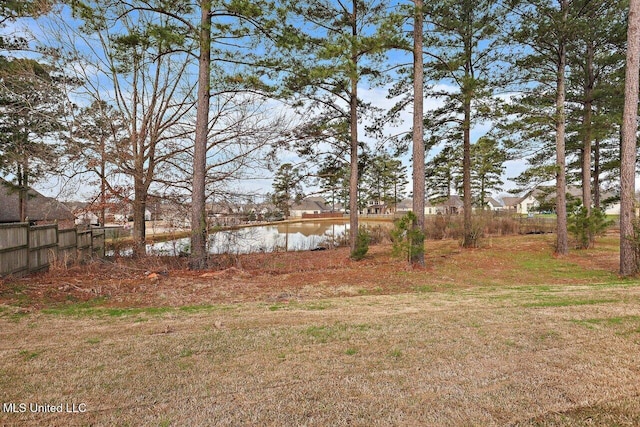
<point>378,98</point>
<point>56,187</point>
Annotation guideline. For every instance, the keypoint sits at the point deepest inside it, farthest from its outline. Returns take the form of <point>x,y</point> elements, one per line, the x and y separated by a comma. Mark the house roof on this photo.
<point>311,204</point>
<point>549,192</point>
<point>39,207</point>
<point>494,203</point>
<point>405,204</point>
<point>510,201</point>
<point>318,199</point>
<point>453,201</point>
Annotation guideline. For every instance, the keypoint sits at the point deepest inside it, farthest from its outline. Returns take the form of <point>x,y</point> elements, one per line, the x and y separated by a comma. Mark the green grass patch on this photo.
<point>93,309</point>
<point>326,333</point>
<point>362,327</point>
<point>203,308</point>
<point>544,267</point>
<point>608,321</point>
<point>548,335</point>
<point>567,302</point>
<point>311,306</point>
<point>395,353</point>
<point>29,355</point>
<point>15,292</point>
<point>321,305</point>
<point>186,352</point>
<point>17,316</point>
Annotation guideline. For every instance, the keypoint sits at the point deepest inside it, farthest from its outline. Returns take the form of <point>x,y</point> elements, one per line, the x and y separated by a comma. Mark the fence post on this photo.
<point>57,251</point>
<point>28,226</point>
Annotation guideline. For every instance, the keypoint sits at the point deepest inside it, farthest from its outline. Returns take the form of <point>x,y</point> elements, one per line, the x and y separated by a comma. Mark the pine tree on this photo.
<point>628,261</point>
<point>33,112</point>
<point>547,29</point>
<point>336,50</point>
<point>96,138</point>
<point>595,60</point>
<point>443,172</point>
<point>287,188</point>
<point>487,168</point>
<point>385,180</point>
<point>464,52</point>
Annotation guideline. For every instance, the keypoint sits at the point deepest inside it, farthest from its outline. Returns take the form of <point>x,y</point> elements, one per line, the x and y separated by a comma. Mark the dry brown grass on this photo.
<point>557,345</point>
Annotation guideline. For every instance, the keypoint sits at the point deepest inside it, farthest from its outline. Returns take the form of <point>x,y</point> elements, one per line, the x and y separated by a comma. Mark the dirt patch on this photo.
<point>165,281</point>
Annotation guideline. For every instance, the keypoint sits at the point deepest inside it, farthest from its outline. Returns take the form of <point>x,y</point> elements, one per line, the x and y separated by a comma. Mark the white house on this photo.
<point>494,205</point>
<point>531,201</point>
<point>521,204</point>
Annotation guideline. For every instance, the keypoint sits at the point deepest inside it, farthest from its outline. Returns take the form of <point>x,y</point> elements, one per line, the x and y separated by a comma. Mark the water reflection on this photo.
<point>269,238</point>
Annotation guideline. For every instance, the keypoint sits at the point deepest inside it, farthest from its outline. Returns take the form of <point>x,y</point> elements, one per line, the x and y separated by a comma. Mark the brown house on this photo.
<point>40,209</point>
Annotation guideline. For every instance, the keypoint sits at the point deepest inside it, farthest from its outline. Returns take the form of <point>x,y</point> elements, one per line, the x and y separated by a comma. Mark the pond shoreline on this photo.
<point>164,236</point>
<point>297,234</point>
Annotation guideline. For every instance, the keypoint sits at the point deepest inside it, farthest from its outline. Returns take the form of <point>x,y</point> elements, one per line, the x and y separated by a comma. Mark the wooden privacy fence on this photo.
<point>26,249</point>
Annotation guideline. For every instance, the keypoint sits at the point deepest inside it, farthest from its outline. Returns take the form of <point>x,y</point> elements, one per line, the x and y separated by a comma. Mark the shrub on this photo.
<point>478,225</point>
<point>586,227</point>
<point>437,227</point>
<point>408,242</point>
<point>378,234</point>
<point>362,244</point>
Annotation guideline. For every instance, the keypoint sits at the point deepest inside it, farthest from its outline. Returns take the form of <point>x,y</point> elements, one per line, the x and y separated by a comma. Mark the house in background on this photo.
<point>452,205</point>
<point>84,213</point>
<point>523,204</point>
<point>494,205</point>
<point>41,210</point>
<point>610,202</point>
<point>404,206</point>
<point>543,198</point>
<point>510,203</point>
<point>375,207</point>
<point>439,206</point>
<point>309,206</point>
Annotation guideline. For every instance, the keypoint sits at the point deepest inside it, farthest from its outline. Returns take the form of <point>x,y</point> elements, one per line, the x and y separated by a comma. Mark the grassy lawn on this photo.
<point>503,335</point>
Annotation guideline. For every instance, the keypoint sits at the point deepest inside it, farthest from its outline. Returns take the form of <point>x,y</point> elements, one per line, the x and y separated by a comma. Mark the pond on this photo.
<point>267,238</point>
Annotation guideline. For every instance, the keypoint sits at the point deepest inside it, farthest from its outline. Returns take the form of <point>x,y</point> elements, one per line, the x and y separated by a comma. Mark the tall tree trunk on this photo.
<point>562,242</point>
<point>628,261</point>
<point>103,186</point>
<point>418,129</point>
<point>353,177</point>
<point>23,189</point>
<point>587,130</point>
<point>137,141</point>
<point>139,225</point>
<point>468,239</point>
<point>353,132</point>
<point>596,173</point>
<point>199,230</point>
